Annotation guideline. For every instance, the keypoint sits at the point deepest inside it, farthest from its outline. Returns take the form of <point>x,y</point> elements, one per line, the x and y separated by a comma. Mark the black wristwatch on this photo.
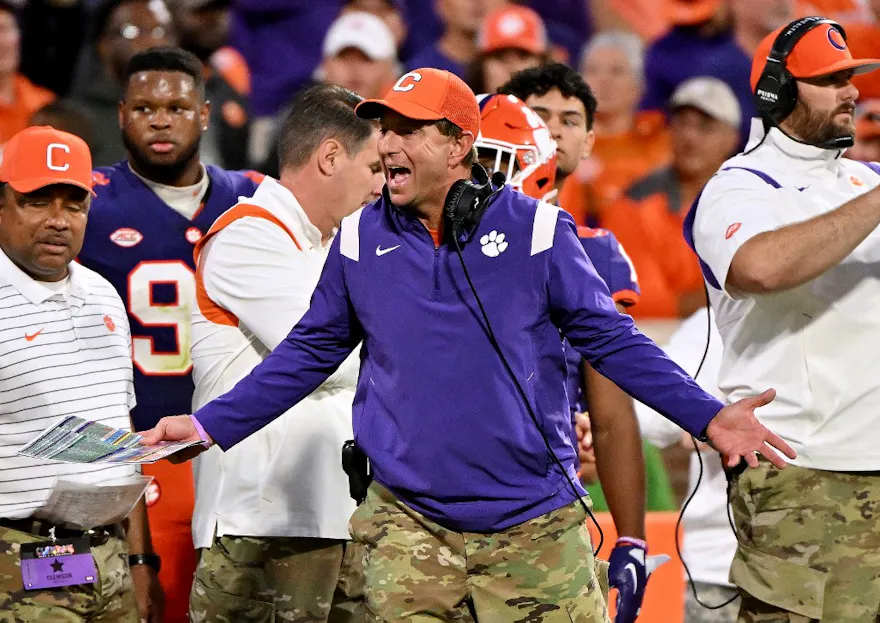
<point>151,560</point>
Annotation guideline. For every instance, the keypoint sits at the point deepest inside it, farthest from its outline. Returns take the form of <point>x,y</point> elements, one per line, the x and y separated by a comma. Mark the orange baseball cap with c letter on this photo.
<point>428,95</point>
<point>41,155</point>
<point>820,52</point>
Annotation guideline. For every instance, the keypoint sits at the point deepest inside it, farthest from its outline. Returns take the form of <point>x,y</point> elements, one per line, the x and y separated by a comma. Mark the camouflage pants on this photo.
<point>110,600</point>
<point>275,579</point>
<point>712,595</point>
<point>809,545</point>
<point>540,571</point>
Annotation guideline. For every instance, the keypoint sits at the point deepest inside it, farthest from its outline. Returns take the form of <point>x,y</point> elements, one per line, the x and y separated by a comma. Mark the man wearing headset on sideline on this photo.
<point>460,404</point>
<point>788,241</point>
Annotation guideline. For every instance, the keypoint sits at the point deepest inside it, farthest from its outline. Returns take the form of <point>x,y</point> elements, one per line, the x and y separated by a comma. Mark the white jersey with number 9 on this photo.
<point>175,314</point>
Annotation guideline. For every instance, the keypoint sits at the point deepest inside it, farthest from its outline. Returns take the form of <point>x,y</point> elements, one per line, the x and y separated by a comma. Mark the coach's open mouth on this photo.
<point>397,177</point>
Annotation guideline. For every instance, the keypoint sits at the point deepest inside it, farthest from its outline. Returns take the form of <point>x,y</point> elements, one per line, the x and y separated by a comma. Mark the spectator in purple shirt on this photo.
<point>701,43</point>
<point>457,46</point>
<point>281,42</point>
<point>569,24</point>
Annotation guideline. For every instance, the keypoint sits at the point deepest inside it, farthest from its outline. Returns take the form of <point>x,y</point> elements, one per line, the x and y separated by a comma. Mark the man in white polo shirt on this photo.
<point>788,237</point>
<point>64,350</point>
<point>271,515</point>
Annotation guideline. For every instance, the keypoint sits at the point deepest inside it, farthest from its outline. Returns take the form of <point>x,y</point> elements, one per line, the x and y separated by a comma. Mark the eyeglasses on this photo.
<point>131,32</point>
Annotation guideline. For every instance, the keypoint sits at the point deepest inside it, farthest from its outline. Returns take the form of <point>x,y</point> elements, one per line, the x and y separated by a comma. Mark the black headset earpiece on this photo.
<point>466,202</point>
<point>776,89</point>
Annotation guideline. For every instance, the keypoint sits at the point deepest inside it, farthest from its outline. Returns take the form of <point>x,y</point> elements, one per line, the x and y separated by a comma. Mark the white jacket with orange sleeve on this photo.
<point>257,268</point>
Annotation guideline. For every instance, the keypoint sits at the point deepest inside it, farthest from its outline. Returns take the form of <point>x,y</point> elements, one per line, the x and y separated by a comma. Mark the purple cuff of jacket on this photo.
<point>201,431</point>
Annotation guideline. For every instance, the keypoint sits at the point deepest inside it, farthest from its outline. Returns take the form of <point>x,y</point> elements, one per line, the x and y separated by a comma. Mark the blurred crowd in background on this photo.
<point>62,62</point>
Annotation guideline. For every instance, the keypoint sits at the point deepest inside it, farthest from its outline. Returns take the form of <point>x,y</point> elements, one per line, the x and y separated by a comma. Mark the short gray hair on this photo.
<point>628,43</point>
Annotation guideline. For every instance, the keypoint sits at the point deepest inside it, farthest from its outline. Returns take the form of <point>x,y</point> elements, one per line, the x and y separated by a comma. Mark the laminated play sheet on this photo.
<point>77,440</point>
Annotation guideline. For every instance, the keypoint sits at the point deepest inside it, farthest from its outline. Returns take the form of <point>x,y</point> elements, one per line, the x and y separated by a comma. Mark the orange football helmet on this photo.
<point>514,140</point>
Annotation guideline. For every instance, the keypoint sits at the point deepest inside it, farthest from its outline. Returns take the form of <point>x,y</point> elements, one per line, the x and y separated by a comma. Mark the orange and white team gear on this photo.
<point>257,268</point>
<point>524,150</point>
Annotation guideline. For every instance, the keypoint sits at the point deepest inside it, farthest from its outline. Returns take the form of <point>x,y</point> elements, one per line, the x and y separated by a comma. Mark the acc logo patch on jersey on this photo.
<point>126,237</point>
<point>99,179</point>
<point>193,235</point>
<point>108,322</point>
<point>732,230</point>
<point>856,181</point>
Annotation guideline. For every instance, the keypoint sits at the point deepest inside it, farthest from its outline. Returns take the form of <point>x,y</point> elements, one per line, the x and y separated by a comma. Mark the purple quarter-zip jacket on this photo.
<point>435,410</point>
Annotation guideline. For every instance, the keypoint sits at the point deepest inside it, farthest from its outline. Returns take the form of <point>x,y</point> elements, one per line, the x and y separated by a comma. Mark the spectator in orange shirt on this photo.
<point>19,97</point>
<point>704,124</point>
<point>629,143</point>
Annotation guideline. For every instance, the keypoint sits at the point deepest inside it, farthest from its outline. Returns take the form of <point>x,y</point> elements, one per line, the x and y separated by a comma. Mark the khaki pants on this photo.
<point>539,571</point>
<point>278,579</point>
<point>110,600</point>
<point>809,545</point>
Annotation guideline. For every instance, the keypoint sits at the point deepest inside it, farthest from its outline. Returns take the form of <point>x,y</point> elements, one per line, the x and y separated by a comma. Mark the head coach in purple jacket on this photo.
<point>475,510</point>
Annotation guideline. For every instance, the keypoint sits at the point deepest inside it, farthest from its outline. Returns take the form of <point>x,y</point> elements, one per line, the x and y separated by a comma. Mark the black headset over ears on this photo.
<point>776,90</point>
<point>466,201</point>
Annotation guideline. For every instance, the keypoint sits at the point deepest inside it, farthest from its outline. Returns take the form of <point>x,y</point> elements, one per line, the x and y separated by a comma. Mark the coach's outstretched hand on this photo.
<point>737,434</point>
<point>176,428</point>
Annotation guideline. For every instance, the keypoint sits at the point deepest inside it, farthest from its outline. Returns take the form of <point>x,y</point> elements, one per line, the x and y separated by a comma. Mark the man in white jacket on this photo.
<point>271,515</point>
<point>709,542</point>
<point>788,239</point>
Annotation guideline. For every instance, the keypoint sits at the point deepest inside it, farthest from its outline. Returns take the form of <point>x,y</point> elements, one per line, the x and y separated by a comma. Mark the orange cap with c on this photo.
<point>820,52</point>
<point>41,155</point>
<point>428,95</point>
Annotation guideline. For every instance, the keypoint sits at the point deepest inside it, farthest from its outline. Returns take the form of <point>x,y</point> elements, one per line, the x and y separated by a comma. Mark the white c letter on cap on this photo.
<point>50,149</point>
<point>414,75</point>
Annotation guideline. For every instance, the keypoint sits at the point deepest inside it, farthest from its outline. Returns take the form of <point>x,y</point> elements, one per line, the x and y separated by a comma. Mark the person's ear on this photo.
<point>589,143</point>
<point>329,157</point>
<point>461,147</point>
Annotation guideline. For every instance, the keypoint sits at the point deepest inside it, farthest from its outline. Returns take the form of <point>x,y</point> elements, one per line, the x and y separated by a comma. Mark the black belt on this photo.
<point>38,527</point>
